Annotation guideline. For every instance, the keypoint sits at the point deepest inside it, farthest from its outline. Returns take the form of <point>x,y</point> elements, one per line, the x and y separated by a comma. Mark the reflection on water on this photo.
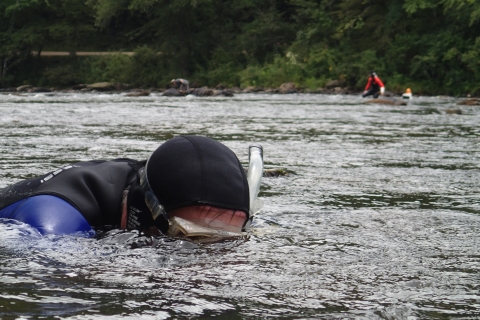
<point>378,216</point>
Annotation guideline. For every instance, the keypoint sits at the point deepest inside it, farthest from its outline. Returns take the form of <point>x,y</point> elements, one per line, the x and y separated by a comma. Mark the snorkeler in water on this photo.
<point>190,185</point>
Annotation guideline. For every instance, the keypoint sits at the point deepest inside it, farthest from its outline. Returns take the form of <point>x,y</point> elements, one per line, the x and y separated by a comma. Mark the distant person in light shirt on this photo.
<point>181,84</point>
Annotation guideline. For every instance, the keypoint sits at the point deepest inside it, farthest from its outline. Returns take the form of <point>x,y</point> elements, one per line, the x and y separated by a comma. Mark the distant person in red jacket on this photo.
<point>374,86</point>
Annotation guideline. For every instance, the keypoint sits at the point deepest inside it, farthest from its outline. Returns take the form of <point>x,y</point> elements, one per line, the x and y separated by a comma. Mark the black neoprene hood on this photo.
<point>189,170</point>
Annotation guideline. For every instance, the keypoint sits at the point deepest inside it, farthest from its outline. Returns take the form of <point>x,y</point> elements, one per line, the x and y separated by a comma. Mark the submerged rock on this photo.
<point>139,93</point>
<point>79,86</point>
<point>470,102</point>
<point>225,93</point>
<point>453,111</point>
<point>252,89</point>
<point>39,89</point>
<point>288,87</point>
<point>24,88</point>
<point>392,102</point>
<point>102,86</point>
<point>275,172</point>
<point>172,92</point>
<point>202,92</point>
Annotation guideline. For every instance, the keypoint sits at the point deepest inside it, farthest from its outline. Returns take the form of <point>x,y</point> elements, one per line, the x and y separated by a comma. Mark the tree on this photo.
<point>30,25</point>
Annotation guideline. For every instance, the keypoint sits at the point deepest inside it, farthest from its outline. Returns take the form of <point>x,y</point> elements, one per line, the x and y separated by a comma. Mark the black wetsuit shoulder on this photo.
<point>95,188</point>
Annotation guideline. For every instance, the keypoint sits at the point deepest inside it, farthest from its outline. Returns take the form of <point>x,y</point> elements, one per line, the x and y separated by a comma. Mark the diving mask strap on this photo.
<point>151,200</point>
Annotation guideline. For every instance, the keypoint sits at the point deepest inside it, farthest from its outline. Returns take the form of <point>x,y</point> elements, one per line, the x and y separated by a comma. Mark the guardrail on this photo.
<point>79,53</point>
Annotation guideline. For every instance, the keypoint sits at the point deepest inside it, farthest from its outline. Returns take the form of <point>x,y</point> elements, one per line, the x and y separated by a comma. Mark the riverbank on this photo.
<point>286,88</point>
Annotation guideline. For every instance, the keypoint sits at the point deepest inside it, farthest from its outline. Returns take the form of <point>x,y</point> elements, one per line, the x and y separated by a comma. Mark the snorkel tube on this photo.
<point>254,176</point>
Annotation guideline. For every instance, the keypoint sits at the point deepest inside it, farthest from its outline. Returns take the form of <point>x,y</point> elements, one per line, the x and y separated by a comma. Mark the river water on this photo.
<point>378,216</point>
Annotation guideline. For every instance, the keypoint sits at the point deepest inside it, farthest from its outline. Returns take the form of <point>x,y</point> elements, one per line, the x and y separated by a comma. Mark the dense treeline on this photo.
<point>429,45</point>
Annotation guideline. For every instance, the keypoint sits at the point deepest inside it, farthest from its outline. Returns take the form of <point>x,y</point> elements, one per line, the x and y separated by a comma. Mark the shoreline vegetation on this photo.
<point>220,90</point>
<point>286,88</point>
<point>389,98</point>
<point>429,46</point>
<point>111,71</point>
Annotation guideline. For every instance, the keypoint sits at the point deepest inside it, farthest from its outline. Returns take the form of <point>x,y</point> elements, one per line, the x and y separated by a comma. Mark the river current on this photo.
<point>378,216</point>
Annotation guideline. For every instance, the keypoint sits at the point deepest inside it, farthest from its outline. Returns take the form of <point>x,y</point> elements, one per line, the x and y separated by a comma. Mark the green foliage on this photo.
<point>111,68</point>
<point>145,68</point>
<point>224,74</point>
<point>148,67</point>
<point>427,44</point>
<point>412,6</point>
<point>272,75</point>
<point>106,10</point>
<point>63,75</point>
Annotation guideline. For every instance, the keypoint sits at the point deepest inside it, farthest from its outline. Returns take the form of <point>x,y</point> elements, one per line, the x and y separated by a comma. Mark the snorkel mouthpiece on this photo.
<point>254,176</point>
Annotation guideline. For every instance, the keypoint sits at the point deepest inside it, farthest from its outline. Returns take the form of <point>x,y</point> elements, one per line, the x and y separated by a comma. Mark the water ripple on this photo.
<point>377,217</point>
